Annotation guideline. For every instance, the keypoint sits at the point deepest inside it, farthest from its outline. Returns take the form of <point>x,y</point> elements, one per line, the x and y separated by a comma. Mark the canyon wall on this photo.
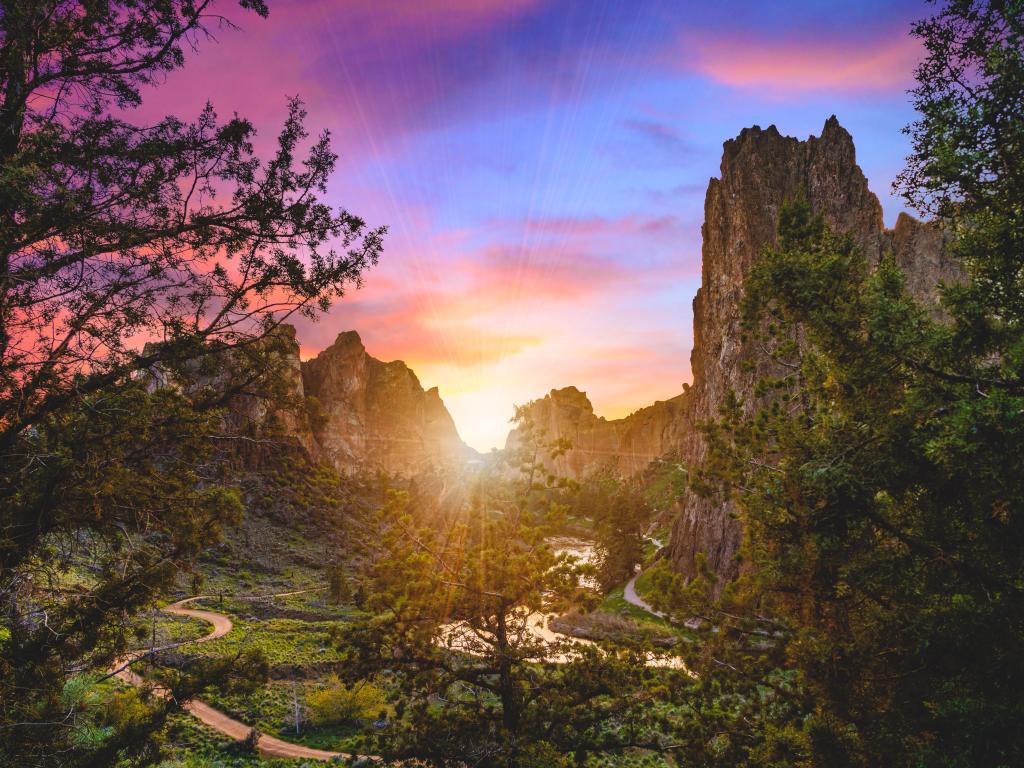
<point>346,408</point>
<point>372,415</point>
<point>625,446</point>
<point>761,170</point>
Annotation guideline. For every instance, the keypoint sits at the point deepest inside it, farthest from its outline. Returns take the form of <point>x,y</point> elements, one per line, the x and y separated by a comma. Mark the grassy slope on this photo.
<point>615,603</point>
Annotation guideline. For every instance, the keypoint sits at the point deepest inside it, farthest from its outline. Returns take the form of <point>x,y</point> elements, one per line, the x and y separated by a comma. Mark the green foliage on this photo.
<point>78,690</point>
<point>664,481</point>
<point>453,603</point>
<point>880,474</point>
<point>338,588</point>
<point>620,514</point>
<point>112,235</point>
<point>336,702</point>
<point>967,169</point>
<point>126,709</point>
<point>105,496</point>
<point>879,498</point>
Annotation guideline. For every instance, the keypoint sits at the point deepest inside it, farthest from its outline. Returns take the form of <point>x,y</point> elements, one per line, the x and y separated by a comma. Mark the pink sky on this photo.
<point>541,166</point>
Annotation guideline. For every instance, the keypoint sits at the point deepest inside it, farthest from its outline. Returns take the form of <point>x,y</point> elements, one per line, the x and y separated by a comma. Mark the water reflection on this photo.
<point>524,626</point>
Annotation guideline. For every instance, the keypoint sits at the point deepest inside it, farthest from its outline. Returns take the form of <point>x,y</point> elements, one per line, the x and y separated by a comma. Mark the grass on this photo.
<point>282,641</point>
<point>272,710</point>
<point>309,606</point>
<point>262,557</point>
<point>615,603</point>
<point>169,629</point>
<point>643,584</point>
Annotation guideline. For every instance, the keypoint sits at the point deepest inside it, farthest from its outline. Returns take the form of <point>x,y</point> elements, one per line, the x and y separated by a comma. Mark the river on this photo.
<point>459,636</point>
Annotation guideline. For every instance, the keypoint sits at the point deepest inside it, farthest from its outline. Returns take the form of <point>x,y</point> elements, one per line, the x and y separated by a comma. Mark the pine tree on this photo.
<point>881,488</point>
<point>130,255</point>
<point>453,603</point>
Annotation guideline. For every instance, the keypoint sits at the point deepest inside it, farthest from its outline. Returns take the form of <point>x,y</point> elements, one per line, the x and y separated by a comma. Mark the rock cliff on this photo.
<point>343,407</point>
<point>260,386</point>
<point>625,446</point>
<point>761,169</point>
<point>371,415</point>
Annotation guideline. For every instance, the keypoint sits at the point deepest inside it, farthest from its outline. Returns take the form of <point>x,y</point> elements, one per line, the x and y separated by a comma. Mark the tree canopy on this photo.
<point>880,479</point>
<point>130,255</point>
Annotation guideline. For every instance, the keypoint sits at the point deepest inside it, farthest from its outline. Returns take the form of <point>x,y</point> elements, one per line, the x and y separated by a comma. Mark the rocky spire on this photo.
<point>760,171</point>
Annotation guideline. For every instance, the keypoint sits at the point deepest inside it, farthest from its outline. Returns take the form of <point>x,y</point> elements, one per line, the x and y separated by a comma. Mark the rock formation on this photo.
<point>625,446</point>
<point>343,407</point>
<point>260,385</point>
<point>371,415</point>
<point>760,171</point>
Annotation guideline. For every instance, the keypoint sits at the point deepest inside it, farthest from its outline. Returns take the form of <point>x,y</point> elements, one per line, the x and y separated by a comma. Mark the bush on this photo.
<point>337,583</point>
<point>126,709</point>
<point>339,703</point>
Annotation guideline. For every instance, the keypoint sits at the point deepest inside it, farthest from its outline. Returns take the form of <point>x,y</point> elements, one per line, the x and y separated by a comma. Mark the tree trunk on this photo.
<point>511,706</point>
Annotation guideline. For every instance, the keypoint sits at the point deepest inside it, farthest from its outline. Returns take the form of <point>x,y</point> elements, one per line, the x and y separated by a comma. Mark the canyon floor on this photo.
<point>278,604</point>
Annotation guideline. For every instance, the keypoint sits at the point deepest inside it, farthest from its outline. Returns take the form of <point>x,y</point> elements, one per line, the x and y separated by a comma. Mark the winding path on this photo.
<point>268,746</point>
<point>630,596</point>
<point>629,591</point>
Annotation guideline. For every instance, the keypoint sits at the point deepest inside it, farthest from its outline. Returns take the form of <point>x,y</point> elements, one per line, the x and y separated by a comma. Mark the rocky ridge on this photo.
<point>374,415</point>
<point>624,446</point>
<point>348,409</point>
<point>760,171</point>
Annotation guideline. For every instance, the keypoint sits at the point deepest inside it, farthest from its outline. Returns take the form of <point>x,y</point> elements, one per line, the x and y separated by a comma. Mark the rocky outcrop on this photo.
<point>761,170</point>
<point>369,415</point>
<point>259,386</point>
<point>624,446</point>
<point>278,409</point>
<point>342,407</point>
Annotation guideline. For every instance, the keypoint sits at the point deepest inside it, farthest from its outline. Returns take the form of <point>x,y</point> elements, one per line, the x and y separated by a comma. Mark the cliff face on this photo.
<point>761,170</point>
<point>625,446</point>
<point>280,410</point>
<point>343,407</point>
<point>375,415</point>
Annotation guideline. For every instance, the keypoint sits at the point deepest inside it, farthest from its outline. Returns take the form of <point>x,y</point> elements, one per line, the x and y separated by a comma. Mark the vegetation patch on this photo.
<point>602,625</point>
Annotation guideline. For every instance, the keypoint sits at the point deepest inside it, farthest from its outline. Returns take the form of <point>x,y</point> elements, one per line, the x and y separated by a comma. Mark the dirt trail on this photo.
<point>267,745</point>
<point>221,623</point>
<point>270,746</point>
<point>630,596</point>
<point>214,718</point>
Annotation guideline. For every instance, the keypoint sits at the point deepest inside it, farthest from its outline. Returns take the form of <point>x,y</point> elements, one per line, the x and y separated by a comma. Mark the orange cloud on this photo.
<point>804,65</point>
<point>547,302</point>
<point>495,275</point>
<point>464,310</point>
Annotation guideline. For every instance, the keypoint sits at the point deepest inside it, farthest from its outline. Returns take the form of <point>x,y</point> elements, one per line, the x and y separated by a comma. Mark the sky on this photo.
<point>541,166</point>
